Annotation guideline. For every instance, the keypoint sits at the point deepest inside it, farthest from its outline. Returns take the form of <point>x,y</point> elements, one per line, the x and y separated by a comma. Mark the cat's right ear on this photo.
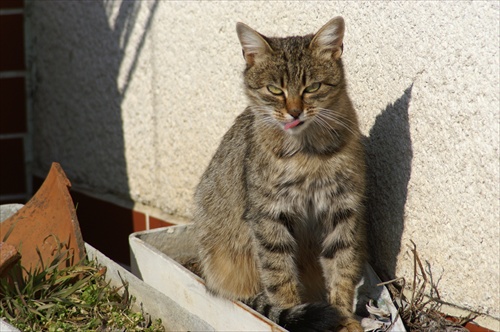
<point>328,41</point>
<point>255,47</point>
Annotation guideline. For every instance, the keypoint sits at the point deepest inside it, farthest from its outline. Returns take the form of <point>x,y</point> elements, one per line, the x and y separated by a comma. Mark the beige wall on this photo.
<point>133,98</point>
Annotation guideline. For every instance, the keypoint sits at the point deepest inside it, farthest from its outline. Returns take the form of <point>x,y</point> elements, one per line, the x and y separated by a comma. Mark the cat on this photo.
<point>278,212</point>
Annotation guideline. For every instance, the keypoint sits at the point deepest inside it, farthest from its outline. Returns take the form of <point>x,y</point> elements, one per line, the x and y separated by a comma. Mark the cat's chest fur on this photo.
<point>305,185</point>
<point>303,182</point>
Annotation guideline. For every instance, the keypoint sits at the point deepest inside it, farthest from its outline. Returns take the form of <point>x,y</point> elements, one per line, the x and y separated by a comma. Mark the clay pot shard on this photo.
<point>46,226</point>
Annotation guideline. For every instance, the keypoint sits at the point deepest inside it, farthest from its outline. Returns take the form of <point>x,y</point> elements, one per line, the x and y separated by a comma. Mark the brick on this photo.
<point>14,200</point>
<point>139,221</point>
<point>157,223</point>
<point>11,42</point>
<point>12,105</point>
<point>106,226</point>
<point>11,4</point>
<point>12,168</point>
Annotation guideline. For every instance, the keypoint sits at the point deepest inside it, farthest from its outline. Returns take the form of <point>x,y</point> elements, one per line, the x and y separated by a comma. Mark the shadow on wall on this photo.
<point>84,64</point>
<point>389,156</point>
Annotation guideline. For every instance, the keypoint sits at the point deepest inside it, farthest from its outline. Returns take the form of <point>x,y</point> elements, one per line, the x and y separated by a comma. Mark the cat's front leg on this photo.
<point>342,259</point>
<point>276,248</point>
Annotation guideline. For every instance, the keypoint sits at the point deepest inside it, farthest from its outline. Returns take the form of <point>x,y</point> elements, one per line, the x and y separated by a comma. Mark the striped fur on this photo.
<point>279,211</point>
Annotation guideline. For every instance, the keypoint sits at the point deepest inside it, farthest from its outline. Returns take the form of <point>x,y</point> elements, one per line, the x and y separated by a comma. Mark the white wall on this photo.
<point>133,97</point>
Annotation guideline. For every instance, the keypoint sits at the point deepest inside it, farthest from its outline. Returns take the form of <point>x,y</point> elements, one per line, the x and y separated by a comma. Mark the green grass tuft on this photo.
<point>73,298</point>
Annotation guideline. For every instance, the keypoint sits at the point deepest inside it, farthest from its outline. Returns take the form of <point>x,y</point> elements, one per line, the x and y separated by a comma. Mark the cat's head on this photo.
<point>295,82</point>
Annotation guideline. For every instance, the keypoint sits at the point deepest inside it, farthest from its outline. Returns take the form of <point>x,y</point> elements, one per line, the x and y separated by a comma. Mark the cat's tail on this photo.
<point>310,317</point>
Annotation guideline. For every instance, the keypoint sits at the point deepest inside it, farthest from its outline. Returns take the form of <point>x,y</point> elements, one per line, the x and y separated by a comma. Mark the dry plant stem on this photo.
<point>433,284</point>
<point>416,260</point>
<point>394,321</point>
<point>423,312</point>
<point>412,302</point>
<point>391,281</point>
<point>394,291</point>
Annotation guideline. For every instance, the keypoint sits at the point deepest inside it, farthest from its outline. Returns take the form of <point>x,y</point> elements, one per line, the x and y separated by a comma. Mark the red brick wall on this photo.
<point>13,112</point>
<point>106,226</point>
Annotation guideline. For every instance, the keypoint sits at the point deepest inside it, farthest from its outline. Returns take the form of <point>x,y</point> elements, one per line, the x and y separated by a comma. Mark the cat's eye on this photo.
<point>274,90</point>
<point>313,87</point>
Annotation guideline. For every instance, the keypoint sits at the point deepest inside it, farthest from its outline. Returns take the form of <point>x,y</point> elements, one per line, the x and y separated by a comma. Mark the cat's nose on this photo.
<point>295,113</point>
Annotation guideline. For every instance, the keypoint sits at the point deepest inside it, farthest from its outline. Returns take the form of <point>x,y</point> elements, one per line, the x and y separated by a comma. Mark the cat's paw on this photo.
<point>350,325</point>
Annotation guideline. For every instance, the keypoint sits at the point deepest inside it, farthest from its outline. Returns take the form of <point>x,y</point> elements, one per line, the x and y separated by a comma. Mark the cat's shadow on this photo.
<point>389,157</point>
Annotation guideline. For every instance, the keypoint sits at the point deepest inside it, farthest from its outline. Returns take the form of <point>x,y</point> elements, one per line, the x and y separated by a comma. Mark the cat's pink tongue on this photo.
<point>292,124</point>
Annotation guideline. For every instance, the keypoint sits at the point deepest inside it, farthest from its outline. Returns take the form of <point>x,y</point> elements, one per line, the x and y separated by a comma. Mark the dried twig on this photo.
<point>422,312</point>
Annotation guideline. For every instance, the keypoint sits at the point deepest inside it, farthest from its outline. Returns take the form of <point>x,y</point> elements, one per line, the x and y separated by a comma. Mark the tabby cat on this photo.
<point>279,210</point>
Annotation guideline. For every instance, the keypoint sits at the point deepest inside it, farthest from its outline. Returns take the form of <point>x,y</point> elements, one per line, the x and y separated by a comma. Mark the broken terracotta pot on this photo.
<point>47,222</point>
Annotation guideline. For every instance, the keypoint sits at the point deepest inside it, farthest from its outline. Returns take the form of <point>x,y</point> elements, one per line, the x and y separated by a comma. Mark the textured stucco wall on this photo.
<point>133,97</point>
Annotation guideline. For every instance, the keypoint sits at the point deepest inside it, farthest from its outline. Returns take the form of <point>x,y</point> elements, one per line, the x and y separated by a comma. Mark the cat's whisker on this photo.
<point>267,116</point>
<point>338,118</point>
<point>339,122</point>
<point>329,128</point>
<point>342,121</point>
<point>327,111</point>
<point>267,122</point>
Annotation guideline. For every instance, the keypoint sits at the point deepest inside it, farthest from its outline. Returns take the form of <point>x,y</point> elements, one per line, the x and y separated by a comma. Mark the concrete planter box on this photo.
<point>147,298</point>
<point>157,256</point>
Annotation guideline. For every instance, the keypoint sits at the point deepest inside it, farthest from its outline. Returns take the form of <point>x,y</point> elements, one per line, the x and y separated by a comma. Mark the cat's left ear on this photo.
<point>255,47</point>
<point>328,41</point>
